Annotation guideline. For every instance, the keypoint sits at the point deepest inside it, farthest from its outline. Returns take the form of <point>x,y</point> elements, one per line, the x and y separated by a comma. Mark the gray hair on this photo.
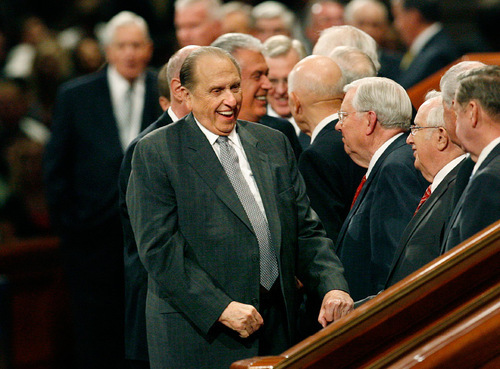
<point>123,18</point>
<point>213,6</point>
<point>386,98</point>
<point>435,117</point>
<point>449,82</point>
<point>356,5</point>
<point>274,9</point>
<point>280,45</point>
<point>231,42</point>
<point>483,85</point>
<point>187,73</point>
<point>346,35</point>
<point>354,63</point>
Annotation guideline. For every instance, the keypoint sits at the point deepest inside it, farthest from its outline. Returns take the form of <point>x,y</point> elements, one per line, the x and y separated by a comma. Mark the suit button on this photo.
<point>255,258</point>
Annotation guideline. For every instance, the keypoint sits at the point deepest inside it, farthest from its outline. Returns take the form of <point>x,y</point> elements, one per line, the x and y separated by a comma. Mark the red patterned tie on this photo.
<point>423,199</point>
<point>358,190</point>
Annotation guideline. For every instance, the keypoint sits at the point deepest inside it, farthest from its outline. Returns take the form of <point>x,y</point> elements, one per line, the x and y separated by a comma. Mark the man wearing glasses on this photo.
<point>374,116</point>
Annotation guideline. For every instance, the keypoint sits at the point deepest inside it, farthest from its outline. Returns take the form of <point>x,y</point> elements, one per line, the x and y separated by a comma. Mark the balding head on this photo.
<point>315,88</point>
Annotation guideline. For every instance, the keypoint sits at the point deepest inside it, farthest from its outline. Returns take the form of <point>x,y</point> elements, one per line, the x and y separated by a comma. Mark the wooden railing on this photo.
<point>38,334</point>
<point>417,93</point>
<point>433,319</point>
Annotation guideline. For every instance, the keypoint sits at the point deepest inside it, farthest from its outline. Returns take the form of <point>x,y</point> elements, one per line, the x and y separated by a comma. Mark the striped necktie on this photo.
<point>423,199</point>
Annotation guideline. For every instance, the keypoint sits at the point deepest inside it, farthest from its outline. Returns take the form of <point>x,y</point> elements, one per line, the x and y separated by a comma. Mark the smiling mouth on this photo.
<point>261,98</point>
<point>227,114</point>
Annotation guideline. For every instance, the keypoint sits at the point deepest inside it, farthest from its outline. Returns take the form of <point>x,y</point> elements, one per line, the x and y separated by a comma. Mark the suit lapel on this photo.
<point>261,169</point>
<point>203,159</point>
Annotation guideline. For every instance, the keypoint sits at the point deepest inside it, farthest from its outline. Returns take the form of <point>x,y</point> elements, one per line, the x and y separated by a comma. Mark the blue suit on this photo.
<point>479,205</point>
<point>371,232</point>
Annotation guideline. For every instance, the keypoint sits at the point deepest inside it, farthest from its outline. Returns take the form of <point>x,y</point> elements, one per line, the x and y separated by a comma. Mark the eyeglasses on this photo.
<point>344,114</point>
<point>414,129</point>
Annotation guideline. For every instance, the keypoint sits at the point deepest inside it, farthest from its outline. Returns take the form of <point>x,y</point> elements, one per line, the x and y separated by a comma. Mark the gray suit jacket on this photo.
<point>198,245</point>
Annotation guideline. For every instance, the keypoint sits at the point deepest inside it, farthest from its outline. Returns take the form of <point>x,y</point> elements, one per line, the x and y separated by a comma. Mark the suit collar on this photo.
<point>203,159</point>
<point>487,154</point>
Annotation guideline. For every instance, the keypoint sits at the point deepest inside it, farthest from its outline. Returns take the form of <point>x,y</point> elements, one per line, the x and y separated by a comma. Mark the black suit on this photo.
<point>437,53</point>
<point>370,235</point>
<point>136,277</point>
<point>287,129</point>
<point>479,205</point>
<point>81,164</point>
<point>197,243</point>
<point>331,178</point>
<point>422,237</point>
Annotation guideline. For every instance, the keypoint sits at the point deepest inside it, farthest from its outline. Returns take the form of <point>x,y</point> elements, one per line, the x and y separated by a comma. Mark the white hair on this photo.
<point>232,42</point>
<point>274,9</point>
<point>386,98</point>
<point>121,19</point>
<point>449,82</point>
<point>354,63</point>
<point>435,117</point>
<point>346,35</point>
<point>213,6</point>
<point>280,45</point>
<point>236,6</point>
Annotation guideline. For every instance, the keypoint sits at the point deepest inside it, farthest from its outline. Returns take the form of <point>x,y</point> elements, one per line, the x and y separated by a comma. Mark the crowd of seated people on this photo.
<point>391,187</point>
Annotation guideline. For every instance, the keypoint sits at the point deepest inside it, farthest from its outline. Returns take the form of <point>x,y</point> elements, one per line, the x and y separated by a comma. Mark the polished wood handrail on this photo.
<point>429,294</point>
<point>417,92</point>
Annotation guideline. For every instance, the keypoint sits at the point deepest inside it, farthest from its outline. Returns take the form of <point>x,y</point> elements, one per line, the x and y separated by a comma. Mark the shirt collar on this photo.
<point>438,178</point>
<point>212,137</point>
<point>379,152</point>
<point>322,125</point>
<point>484,154</point>
<point>172,115</point>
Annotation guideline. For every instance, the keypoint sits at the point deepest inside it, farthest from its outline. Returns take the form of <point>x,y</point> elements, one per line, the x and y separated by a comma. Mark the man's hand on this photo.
<point>335,305</point>
<point>242,318</point>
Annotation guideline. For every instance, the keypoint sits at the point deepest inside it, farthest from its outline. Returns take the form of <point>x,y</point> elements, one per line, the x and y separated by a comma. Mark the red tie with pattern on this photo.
<point>423,199</point>
<point>358,190</point>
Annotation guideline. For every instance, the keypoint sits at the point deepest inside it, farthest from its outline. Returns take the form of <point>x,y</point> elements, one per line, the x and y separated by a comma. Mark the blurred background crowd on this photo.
<point>43,44</point>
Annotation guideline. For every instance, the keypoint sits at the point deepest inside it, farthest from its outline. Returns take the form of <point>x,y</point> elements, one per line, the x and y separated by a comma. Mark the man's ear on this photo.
<point>371,122</point>
<point>164,103</point>
<point>185,96</point>
<point>176,90</point>
<point>295,105</point>
<point>474,113</point>
<point>443,140</point>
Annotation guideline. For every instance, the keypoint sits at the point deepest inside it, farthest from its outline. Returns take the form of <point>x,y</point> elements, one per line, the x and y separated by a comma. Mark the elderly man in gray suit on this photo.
<point>224,227</point>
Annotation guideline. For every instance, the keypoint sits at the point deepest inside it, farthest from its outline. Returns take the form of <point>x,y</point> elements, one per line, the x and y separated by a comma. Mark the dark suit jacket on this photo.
<point>437,53</point>
<point>370,235</point>
<point>287,129</point>
<point>423,236</point>
<point>479,205</point>
<point>136,277</point>
<point>331,178</point>
<point>82,163</point>
<point>84,154</point>
<point>196,242</point>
